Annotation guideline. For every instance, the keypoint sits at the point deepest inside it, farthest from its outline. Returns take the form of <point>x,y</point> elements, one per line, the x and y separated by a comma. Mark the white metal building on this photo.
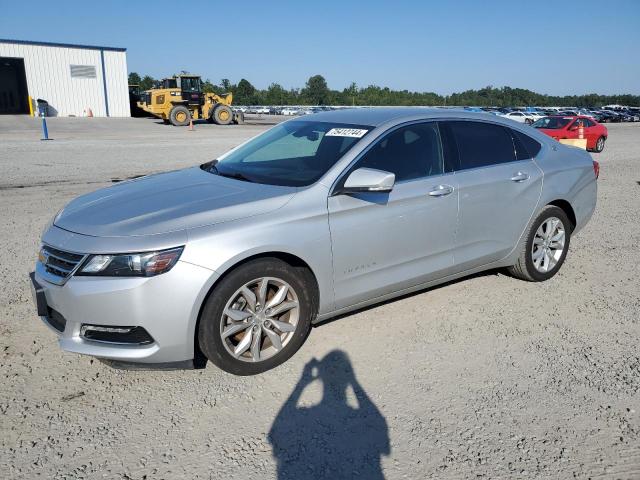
<point>73,79</point>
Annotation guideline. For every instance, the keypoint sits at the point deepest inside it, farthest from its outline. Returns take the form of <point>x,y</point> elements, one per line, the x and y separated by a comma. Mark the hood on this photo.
<point>168,202</point>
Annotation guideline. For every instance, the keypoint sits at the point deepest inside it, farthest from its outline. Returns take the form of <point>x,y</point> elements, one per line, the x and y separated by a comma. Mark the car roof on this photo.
<point>376,116</point>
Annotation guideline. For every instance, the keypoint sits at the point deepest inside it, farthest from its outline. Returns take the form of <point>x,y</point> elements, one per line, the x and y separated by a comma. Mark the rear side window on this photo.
<point>410,152</point>
<point>526,147</point>
<point>481,144</point>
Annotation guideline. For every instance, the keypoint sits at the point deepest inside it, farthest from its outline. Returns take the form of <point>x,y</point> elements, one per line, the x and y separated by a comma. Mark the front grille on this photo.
<point>58,262</point>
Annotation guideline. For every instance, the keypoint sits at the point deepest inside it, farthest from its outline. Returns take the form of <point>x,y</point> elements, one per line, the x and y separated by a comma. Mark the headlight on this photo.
<point>146,264</point>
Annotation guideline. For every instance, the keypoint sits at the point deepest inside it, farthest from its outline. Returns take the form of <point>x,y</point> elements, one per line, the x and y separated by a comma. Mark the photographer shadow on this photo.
<point>331,439</point>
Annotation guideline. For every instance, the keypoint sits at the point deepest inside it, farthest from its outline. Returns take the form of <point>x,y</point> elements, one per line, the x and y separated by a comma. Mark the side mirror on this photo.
<point>369,180</point>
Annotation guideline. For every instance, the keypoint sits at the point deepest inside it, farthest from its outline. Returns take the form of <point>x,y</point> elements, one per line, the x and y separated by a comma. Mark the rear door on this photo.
<point>590,132</point>
<point>499,186</point>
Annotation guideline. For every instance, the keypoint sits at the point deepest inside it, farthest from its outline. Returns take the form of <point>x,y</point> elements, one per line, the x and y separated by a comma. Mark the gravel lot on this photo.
<point>487,377</point>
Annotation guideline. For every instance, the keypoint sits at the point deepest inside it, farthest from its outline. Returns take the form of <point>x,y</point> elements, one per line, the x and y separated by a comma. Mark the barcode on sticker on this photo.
<point>346,132</point>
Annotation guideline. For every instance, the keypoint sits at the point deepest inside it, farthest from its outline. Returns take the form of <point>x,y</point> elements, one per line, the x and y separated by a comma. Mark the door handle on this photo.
<point>441,191</point>
<point>520,177</point>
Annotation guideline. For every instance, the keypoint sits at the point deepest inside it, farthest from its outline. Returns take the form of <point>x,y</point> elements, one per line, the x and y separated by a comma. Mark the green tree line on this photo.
<point>317,92</point>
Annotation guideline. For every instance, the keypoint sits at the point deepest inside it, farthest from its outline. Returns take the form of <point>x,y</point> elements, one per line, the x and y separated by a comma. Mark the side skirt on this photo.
<point>382,298</point>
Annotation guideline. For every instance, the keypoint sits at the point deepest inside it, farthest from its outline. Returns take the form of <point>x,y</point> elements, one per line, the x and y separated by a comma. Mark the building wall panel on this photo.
<point>48,75</point>
<point>117,83</point>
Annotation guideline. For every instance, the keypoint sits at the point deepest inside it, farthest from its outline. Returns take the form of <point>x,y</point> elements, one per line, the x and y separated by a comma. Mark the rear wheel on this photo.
<point>180,116</point>
<point>546,246</point>
<point>599,145</point>
<point>257,317</point>
<point>222,114</point>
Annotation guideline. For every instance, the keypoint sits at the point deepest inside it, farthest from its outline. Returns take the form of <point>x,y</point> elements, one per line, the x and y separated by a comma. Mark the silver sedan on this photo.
<point>235,260</point>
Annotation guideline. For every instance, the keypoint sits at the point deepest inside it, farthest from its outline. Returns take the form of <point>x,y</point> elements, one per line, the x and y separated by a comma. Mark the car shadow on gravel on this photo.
<point>332,439</point>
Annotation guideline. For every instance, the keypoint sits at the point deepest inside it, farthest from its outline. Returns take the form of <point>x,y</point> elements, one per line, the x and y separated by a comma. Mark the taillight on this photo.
<point>596,169</point>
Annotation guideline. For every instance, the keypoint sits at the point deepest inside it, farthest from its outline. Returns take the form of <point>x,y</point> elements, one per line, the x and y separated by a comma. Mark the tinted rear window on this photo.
<point>481,144</point>
<point>526,147</point>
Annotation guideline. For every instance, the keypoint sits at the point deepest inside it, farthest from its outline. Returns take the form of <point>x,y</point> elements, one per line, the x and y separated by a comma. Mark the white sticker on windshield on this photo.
<point>346,132</point>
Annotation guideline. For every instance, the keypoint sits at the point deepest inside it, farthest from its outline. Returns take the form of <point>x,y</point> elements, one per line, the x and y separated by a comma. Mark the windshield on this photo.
<point>190,84</point>
<point>294,154</point>
<point>552,123</point>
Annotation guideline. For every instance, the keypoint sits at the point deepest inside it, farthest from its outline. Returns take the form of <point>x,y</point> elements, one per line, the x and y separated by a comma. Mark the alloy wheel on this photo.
<point>259,319</point>
<point>548,244</point>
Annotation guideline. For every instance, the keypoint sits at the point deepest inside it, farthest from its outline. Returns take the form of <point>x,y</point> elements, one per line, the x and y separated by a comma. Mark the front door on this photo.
<point>384,242</point>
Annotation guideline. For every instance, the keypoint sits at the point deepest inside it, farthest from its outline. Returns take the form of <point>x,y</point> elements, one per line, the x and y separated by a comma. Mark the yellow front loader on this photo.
<point>179,99</point>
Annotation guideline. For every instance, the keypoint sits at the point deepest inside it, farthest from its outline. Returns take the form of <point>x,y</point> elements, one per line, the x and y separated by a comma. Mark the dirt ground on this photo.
<point>487,377</point>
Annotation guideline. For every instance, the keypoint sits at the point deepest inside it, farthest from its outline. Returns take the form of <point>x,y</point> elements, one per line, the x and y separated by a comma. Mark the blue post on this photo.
<point>45,132</point>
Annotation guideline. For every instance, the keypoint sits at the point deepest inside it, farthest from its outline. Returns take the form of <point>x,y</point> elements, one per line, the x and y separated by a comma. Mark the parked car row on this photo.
<point>531,115</point>
<point>282,110</point>
<point>527,115</point>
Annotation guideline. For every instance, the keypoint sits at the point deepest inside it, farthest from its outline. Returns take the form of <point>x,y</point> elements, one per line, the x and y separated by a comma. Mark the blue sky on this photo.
<point>553,47</point>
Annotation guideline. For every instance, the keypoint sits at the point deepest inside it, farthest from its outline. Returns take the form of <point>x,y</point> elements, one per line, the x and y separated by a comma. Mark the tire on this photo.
<point>222,114</point>
<point>525,268</point>
<point>238,118</point>
<point>180,116</point>
<point>599,147</point>
<point>229,296</point>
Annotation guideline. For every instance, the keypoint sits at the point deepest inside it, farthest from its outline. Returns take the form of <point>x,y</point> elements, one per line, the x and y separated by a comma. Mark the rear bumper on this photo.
<point>166,306</point>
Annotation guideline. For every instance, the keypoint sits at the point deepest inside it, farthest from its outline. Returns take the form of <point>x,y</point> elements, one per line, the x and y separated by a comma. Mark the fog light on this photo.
<point>121,335</point>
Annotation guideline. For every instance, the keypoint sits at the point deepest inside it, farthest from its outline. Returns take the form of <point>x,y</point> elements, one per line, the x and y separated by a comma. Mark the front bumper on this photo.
<point>166,306</point>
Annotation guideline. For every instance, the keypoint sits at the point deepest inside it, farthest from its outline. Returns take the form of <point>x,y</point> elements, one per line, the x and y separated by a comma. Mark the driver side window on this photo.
<point>410,152</point>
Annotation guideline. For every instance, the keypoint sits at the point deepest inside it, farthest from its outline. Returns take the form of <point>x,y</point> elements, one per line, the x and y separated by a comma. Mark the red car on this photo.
<point>566,126</point>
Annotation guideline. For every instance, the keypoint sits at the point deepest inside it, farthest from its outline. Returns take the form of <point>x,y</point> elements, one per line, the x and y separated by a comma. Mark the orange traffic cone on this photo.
<point>191,124</point>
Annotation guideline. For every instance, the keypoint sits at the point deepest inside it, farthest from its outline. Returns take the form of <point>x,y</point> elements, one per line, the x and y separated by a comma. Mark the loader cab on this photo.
<point>134,90</point>
<point>144,99</point>
<point>190,88</point>
<point>168,83</point>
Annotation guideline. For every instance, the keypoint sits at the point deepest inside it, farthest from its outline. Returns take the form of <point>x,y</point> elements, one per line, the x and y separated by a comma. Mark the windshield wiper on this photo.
<point>211,167</point>
<point>236,175</point>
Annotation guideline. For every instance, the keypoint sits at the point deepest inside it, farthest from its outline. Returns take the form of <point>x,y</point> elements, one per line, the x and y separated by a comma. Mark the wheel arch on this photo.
<point>566,207</point>
<point>289,258</point>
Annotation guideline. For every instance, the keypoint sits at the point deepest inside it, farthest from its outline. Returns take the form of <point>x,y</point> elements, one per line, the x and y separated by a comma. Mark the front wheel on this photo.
<point>546,246</point>
<point>257,317</point>
<point>222,114</point>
